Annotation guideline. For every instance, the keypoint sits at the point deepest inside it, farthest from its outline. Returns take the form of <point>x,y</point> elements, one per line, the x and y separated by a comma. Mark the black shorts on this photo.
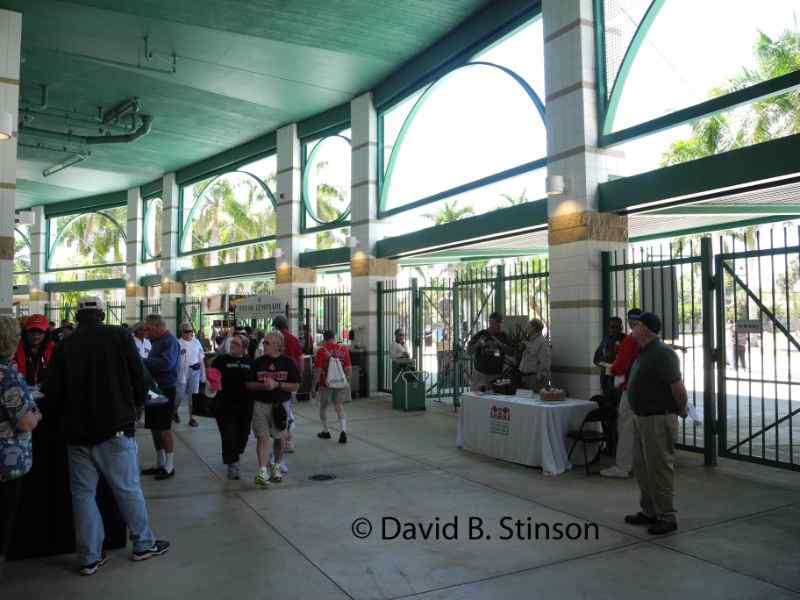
<point>159,417</point>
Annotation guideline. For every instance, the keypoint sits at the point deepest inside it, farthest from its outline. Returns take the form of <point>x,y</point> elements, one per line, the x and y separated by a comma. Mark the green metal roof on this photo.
<point>243,69</point>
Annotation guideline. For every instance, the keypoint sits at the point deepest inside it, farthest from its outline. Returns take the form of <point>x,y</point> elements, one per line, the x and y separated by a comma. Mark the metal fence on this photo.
<point>758,328</point>
<point>149,308</point>
<point>441,317</point>
<point>57,314</point>
<point>673,281</point>
<point>115,313</point>
<point>21,311</point>
<point>326,310</point>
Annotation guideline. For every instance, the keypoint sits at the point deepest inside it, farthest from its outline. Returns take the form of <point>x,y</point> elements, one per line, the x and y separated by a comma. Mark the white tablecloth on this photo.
<point>523,429</point>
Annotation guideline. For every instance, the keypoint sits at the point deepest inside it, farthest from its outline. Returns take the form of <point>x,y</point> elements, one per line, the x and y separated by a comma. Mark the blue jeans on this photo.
<point>117,459</point>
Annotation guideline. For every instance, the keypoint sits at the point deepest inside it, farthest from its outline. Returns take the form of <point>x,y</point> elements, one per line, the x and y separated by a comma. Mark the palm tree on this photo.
<point>766,119</point>
<point>450,212</point>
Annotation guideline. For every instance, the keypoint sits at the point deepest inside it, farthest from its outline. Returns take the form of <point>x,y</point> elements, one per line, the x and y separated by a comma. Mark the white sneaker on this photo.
<point>615,472</point>
<point>276,474</point>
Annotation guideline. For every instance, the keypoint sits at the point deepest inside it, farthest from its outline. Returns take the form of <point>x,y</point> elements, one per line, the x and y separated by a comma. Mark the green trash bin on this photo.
<point>409,389</point>
<point>399,365</point>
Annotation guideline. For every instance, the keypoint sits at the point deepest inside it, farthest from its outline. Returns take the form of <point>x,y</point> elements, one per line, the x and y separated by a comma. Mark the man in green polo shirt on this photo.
<point>657,397</point>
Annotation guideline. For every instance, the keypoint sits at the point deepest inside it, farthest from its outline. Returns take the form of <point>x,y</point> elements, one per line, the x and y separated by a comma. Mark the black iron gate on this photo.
<point>758,349</point>
<point>673,281</point>
<point>441,317</point>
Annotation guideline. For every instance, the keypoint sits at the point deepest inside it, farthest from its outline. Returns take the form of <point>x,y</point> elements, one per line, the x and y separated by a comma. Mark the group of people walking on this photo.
<point>98,380</point>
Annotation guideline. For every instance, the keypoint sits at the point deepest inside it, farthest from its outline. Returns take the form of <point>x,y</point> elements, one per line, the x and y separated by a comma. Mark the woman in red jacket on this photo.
<point>34,350</point>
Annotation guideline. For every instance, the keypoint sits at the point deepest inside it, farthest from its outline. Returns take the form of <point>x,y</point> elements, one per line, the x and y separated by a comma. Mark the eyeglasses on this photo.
<point>187,331</point>
<point>36,331</point>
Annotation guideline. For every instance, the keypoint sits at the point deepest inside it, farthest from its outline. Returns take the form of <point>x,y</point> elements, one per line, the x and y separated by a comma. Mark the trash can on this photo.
<point>399,365</point>
<point>408,391</point>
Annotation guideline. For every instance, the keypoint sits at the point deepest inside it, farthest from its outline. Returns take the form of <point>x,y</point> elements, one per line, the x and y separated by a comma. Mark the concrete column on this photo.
<point>10,40</point>
<point>134,293</point>
<point>366,271</point>
<point>289,277</point>
<point>577,232</point>
<point>171,289</point>
<point>39,277</point>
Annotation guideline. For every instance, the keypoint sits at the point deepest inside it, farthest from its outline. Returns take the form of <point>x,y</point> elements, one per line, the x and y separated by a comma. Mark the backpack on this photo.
<point>335,378</point>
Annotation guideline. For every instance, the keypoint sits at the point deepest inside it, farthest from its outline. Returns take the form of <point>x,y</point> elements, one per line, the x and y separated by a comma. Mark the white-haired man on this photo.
<point>273,378</point>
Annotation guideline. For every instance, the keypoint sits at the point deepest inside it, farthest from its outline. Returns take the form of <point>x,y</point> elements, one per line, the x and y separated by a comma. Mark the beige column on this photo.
<point>289,277</point>
<point>171,289</point>
<point>39,276</point>
<point>134,292</point>
<point>577,232</point>
<point>10,40</point>
<point>365,270</point>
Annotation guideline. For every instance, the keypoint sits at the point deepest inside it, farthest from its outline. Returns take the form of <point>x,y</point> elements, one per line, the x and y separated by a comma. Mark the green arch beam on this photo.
<point>387,178</point>
<point>60,235</point>
<point>627,62</point>
<point>342,218</point>
<point>193,211</point>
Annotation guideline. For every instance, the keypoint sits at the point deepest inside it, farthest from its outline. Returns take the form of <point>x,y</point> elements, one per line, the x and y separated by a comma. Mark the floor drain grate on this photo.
<point>322,477</point>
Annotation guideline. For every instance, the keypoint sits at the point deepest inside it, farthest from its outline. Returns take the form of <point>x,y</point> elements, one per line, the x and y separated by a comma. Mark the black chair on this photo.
<point>604,415</point>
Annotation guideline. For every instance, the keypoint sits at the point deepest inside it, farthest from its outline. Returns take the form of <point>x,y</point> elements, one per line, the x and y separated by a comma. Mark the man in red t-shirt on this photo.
<point>293,350</point>
<point>627,354</point>
<point>330,349</point>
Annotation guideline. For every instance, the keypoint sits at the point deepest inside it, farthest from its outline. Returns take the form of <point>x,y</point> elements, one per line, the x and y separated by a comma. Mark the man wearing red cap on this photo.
<point>34,350</point>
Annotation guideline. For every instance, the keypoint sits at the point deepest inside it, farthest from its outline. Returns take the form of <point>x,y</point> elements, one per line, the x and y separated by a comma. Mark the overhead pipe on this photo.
<point>143,129</point>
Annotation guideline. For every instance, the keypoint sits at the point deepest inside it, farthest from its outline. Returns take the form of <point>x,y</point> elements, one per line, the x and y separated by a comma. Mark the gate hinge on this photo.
<point>716,355</point>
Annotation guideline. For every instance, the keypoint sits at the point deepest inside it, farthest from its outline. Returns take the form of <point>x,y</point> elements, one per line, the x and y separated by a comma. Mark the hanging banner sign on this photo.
<point>260,307</point>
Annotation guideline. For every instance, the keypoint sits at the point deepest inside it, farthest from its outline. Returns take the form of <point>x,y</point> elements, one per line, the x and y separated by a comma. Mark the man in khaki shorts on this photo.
<point>330,349</point>
<point>273,378</point>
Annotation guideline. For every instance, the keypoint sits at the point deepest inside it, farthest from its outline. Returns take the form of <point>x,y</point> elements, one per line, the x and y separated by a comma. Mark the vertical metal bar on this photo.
<point>456,368</point>
<point>605,282</point>
<point>709,416</point>
<point>722,399</point>
<point>774,349</point>
<point>381,336</point>
<point>761,348</point>
<point>500,290</point>
<point>416,323</point>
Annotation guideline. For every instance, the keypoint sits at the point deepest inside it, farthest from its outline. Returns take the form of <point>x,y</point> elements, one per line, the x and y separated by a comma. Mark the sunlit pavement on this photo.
<point>739,533</point>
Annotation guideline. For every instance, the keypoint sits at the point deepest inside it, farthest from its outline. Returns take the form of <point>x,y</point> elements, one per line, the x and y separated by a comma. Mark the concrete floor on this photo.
<point>739,531</point>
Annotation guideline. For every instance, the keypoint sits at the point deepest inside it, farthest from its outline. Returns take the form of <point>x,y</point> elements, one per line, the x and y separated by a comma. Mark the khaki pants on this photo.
<point>654,463</point>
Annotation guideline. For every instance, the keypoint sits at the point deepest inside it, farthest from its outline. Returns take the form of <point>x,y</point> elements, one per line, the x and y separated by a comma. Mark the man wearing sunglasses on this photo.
<point>272,380</point>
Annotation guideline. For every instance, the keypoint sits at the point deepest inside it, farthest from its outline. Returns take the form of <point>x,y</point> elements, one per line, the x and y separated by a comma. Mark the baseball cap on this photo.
<point>651,321</point>
<point>91,303</point>
<point>37,322</point>
<point>496,316</point>
<point>634,313</point>
<point>280,322</point>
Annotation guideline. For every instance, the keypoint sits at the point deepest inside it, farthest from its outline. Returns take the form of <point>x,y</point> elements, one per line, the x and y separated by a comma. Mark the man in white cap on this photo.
<point>94,385</point>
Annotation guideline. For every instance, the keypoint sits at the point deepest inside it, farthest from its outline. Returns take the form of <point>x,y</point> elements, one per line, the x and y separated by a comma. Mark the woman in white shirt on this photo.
<point>191,369</point>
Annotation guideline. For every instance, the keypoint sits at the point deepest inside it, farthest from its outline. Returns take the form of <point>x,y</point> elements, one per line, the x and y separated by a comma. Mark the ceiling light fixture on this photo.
<point>64,164</point>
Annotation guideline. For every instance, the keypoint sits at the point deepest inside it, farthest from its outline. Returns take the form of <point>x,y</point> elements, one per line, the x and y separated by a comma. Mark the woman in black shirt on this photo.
<point>233,407</point>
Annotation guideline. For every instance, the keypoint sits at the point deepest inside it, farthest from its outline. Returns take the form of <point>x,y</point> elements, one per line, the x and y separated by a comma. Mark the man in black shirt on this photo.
<point>95,384</point>
<point>489,348</point>
<point>657,397</point>
<point>233,407</point>
<point>272,380</point>
<point>606,354</point>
